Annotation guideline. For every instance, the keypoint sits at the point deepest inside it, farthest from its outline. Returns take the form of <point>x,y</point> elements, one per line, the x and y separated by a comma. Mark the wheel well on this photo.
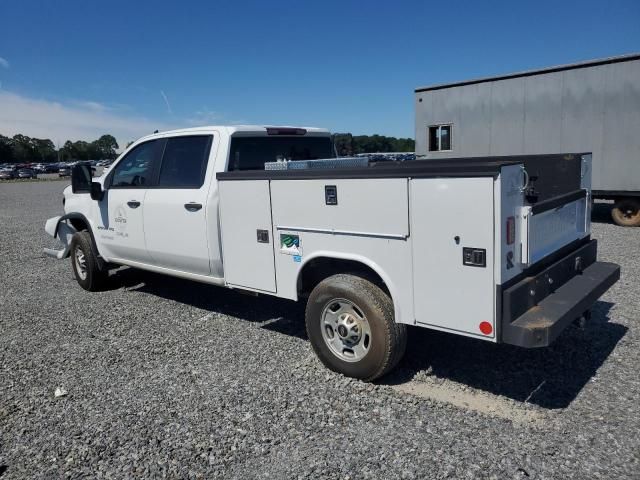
<point>79,224</point>
<point>320,268</point>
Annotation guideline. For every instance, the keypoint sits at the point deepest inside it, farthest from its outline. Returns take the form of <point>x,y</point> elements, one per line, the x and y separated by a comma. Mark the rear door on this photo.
<point>175,214</point>
<point>120,227</point>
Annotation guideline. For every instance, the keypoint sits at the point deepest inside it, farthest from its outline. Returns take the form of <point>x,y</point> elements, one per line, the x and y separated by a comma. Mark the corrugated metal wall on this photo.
<point>590,109</point>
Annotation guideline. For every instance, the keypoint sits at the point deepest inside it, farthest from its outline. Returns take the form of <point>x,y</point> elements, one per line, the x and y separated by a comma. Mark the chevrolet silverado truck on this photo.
<point>371,247</point>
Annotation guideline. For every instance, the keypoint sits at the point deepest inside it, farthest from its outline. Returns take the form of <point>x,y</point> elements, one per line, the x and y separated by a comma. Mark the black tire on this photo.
<point>626,212</point>
<point>388,339</point>
<point>92,278</point>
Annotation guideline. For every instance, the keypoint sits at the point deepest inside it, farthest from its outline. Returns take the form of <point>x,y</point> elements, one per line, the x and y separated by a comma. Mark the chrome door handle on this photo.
<point>193,207</point>
<point>133,203</point>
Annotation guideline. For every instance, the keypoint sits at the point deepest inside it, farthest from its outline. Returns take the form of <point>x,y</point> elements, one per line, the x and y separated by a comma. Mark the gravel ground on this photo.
<point>171,378</point>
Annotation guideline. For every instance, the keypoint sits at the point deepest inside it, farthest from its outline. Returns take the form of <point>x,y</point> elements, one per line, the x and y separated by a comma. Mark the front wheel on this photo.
<point>626,212</point>
<point>352,329</point>
<point>84,261</point>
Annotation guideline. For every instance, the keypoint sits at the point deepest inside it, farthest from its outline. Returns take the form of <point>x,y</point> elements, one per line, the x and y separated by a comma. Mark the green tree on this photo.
<point>45,149</point>
<point>6,150</point>
<point>105,147</point>
<point>347,144</point>
<point>23,149</point>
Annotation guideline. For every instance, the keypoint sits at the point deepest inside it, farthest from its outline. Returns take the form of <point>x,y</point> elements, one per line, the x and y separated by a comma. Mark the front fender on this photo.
<point>58,228</point>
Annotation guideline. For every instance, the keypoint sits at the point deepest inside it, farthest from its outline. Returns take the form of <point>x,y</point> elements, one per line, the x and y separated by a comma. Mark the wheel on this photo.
<point>85,264</point>
<point>352,329</point>
<point>626,212</point>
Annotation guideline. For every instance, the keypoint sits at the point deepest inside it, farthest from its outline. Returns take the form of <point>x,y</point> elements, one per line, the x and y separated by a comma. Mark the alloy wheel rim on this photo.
<point>346,330</point>
<point>81,264</point>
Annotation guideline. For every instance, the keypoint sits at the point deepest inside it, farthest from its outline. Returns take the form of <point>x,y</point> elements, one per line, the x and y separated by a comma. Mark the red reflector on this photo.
<point>285,131</point>
<point>511,230</point>
<point>486,328</point>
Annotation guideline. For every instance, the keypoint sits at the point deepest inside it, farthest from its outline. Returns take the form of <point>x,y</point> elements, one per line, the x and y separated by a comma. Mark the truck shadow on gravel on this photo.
<point>549,377</point>
<point>271,313</point>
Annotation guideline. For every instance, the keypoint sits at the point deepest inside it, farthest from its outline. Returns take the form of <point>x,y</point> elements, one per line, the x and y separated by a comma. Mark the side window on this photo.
<point>184,161</point>
<point>439,138</point>
<point>135,170</point>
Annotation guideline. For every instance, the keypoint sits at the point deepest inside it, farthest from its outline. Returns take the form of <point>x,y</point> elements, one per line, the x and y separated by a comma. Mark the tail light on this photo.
<point>511,230</point>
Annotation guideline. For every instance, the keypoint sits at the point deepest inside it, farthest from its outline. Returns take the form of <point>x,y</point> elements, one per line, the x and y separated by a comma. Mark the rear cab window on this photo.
<point>251,153</point>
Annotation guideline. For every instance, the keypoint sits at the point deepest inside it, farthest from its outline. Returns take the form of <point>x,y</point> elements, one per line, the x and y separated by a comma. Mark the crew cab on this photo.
<point>497,249</point>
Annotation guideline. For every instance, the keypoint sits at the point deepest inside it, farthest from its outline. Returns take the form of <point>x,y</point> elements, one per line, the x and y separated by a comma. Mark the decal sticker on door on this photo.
<point>290,244</point>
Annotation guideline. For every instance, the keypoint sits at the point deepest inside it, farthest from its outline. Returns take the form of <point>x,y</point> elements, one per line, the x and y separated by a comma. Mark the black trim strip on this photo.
<point>614,194</point>
<point>452,167</point>
<point>558,201</point>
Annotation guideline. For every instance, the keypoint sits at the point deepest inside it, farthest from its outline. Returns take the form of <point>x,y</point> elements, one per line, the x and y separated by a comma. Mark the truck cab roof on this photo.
<point>244,129</point>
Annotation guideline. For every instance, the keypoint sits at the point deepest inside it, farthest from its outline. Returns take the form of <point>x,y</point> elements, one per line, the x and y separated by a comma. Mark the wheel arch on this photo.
<point>322,265</point>
<point>82,223</point>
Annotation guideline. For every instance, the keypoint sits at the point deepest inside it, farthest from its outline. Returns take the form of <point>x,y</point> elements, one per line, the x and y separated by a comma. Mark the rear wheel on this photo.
<point>626,212</point>
<point>352,329</point>
<point>86,267</point>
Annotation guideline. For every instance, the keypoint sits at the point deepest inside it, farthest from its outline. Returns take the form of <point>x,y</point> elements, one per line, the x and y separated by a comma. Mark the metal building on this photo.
<point>584,107</point>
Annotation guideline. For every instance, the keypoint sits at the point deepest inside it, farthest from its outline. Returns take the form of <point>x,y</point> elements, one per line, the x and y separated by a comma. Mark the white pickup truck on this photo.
<point>454,245</point>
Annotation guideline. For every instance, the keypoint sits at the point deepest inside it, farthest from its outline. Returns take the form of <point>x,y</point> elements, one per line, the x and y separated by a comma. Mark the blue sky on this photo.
<point>75,69</point>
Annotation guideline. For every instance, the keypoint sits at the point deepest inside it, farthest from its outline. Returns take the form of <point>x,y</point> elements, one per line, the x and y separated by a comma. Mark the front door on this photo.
<point>175,210</point>
<point>120,225</point>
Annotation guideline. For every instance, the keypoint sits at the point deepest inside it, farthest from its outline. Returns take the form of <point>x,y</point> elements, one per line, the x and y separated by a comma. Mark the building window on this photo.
<point>439,138</point>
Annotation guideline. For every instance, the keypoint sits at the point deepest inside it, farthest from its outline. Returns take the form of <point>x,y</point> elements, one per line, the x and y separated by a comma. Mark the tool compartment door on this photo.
<point>245,228</point>
<point>452,226</point>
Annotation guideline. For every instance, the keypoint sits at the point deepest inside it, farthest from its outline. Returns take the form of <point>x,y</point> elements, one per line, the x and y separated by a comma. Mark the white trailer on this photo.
<point>452,245</point>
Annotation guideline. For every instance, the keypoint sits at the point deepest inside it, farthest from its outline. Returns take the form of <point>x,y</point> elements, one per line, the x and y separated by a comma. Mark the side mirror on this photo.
<point>82,182</point>
<point>81,179</point>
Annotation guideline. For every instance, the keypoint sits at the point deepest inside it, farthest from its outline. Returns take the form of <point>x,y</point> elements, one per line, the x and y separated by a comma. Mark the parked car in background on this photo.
<point>27,173</point>
<point>7,174</point>
<point>51,168</point>
<point>64,171</point>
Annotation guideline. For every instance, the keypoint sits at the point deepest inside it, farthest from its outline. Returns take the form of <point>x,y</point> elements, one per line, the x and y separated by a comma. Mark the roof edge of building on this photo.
<point>529,73</point>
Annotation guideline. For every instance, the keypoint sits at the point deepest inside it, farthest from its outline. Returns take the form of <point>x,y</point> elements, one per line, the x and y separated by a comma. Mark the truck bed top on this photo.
<point>452,167</point>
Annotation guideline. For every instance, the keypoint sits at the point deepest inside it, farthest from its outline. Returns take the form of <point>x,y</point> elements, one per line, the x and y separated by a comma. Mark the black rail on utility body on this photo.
<point>543,302</point>
<point>450,167</point>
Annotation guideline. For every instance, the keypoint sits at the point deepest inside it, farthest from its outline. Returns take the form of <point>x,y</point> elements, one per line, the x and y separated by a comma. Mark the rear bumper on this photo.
<point>539,307</point>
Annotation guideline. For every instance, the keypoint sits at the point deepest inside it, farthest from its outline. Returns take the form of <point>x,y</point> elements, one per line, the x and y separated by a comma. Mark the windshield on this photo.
<point>251,153</point>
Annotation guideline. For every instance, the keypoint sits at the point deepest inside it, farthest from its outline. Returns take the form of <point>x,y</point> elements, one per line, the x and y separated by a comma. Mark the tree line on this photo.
<point>348,144</point>
<point>24,149</point>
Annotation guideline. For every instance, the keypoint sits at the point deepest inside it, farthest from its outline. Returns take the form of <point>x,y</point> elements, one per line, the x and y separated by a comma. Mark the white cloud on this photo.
<point>4,62</point>
<point>71,121</point>
<point>204,117</point>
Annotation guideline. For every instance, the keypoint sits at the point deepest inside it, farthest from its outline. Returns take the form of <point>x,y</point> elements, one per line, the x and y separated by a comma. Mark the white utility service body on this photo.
<point>454,245</point>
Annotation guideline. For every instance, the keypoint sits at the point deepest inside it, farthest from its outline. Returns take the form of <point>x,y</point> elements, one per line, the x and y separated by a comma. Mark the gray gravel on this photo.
<point>166,377</point>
